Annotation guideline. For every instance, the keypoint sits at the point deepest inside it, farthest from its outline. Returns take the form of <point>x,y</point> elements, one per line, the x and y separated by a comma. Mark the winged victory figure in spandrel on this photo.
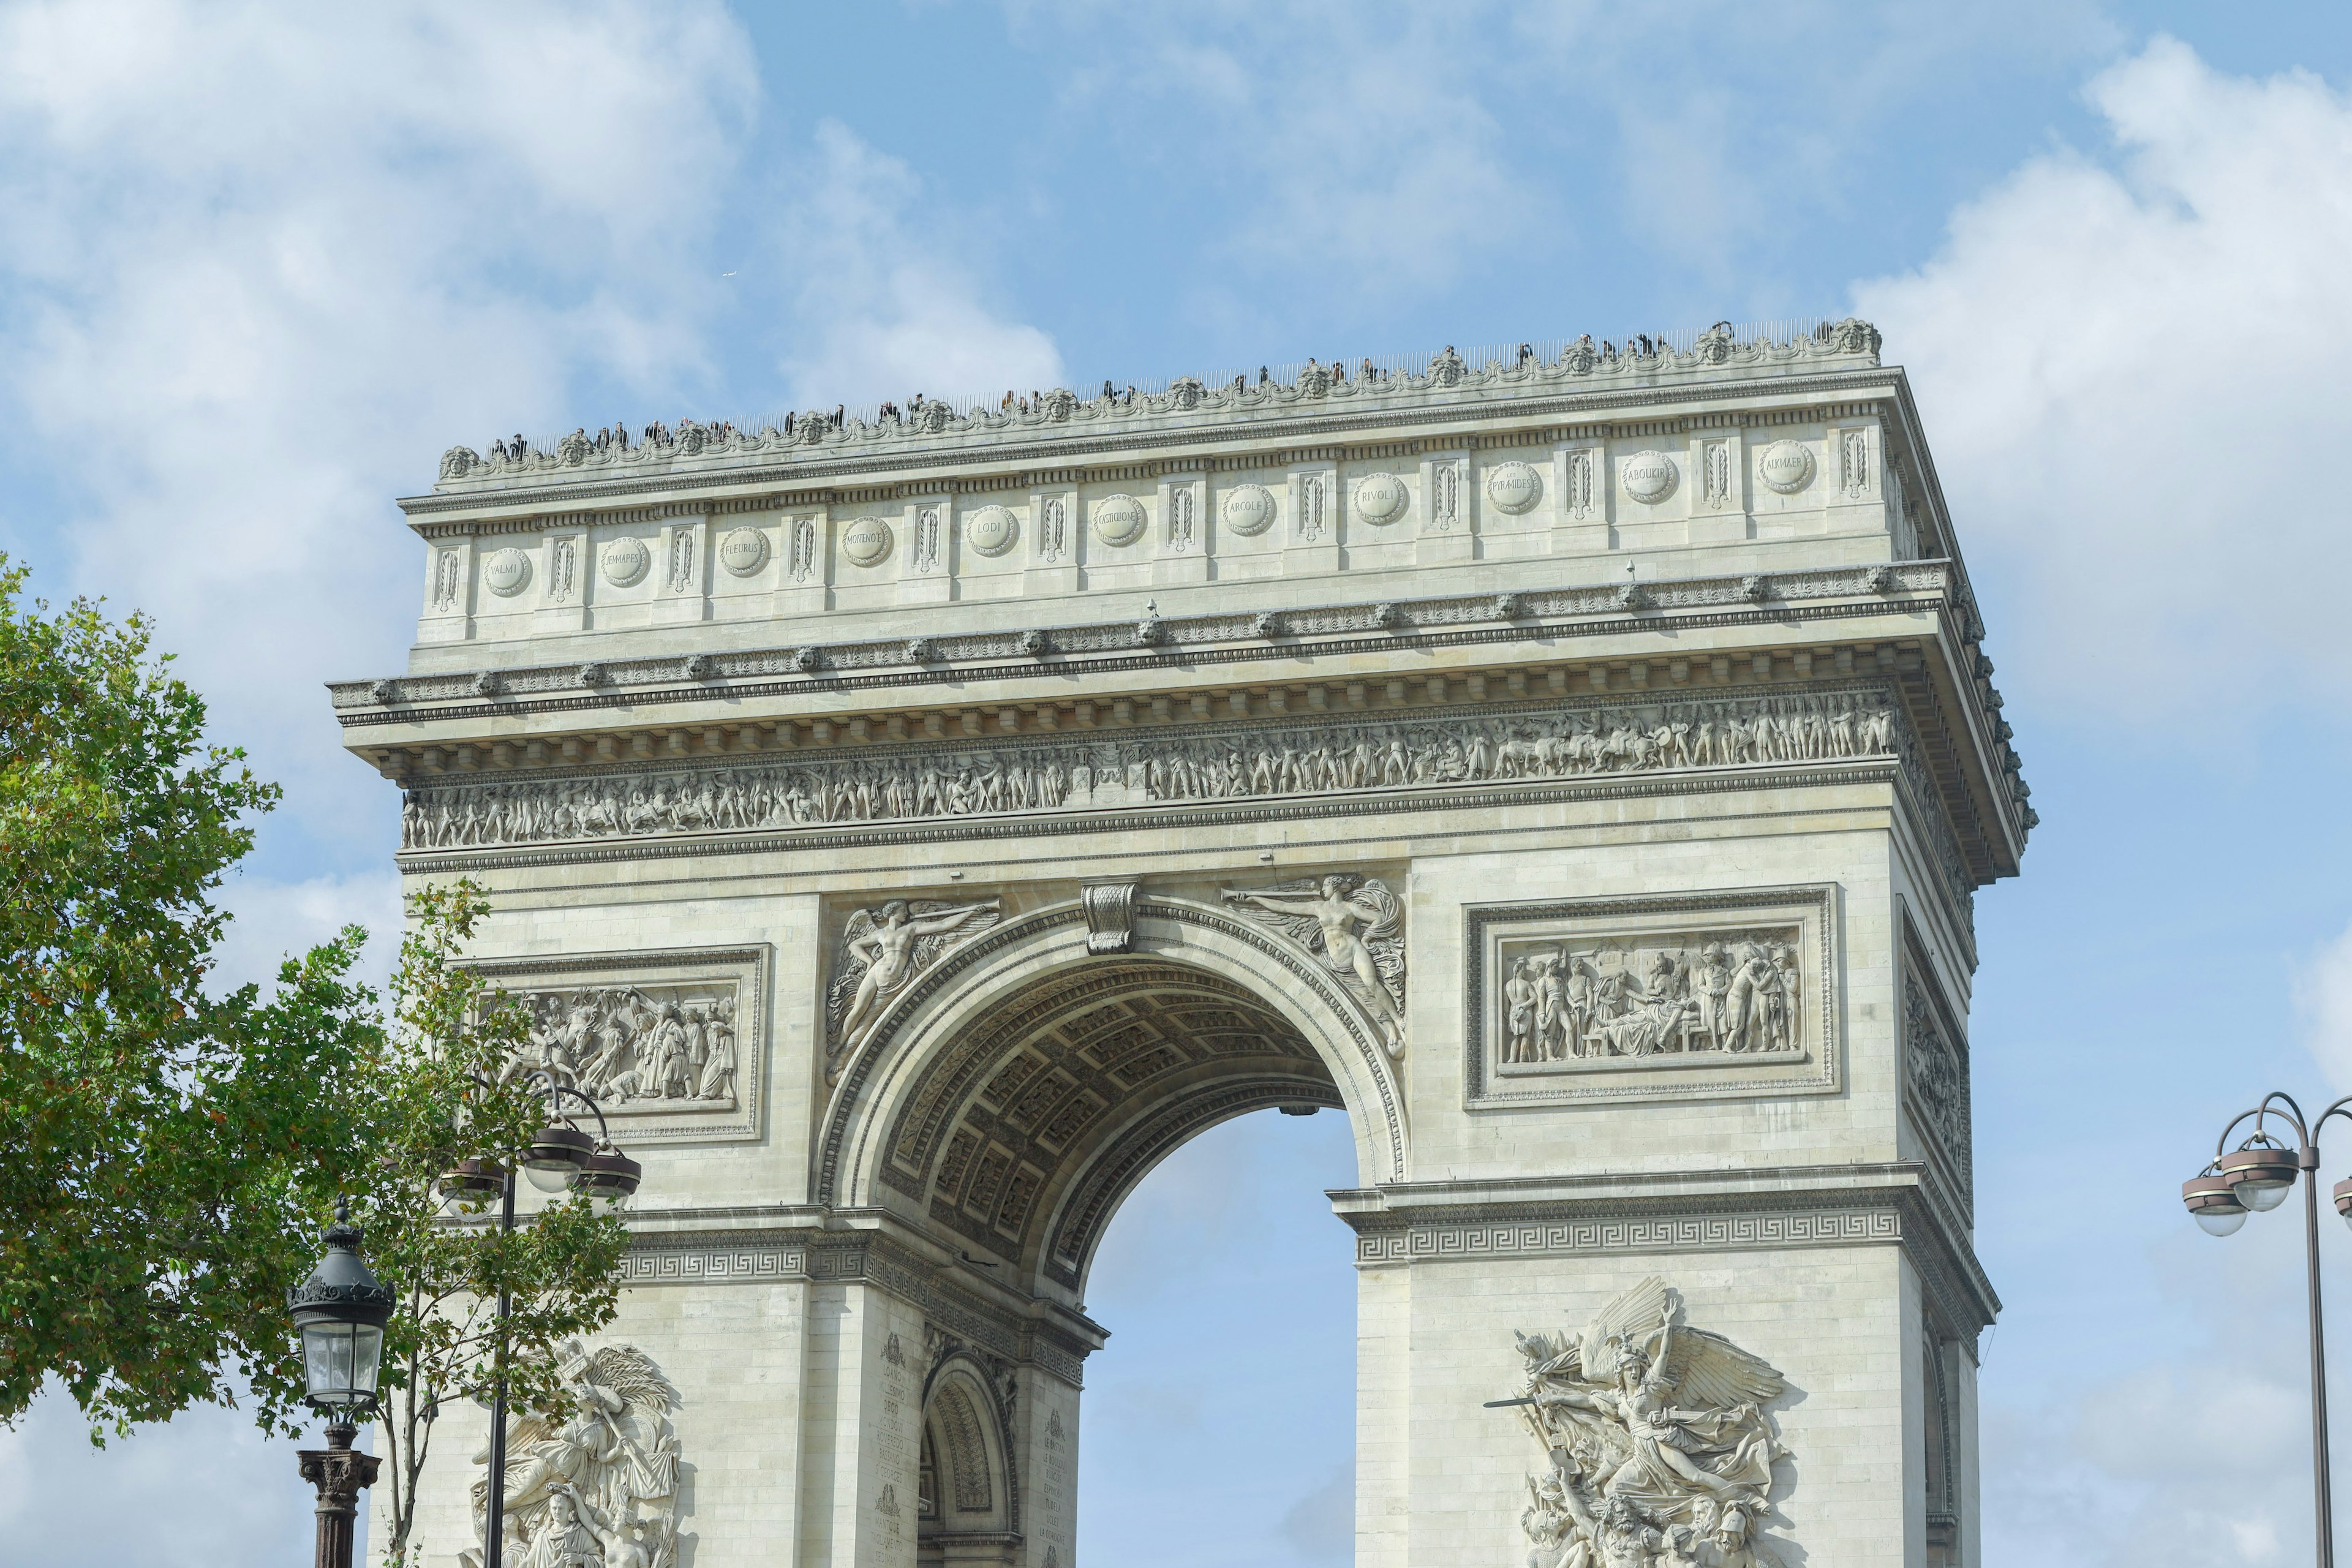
<point>1356,926</point>
<point>1661,1452</point>
<point>883,948</point>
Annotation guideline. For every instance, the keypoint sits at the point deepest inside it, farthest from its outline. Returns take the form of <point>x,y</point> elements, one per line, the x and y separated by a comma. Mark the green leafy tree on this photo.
<point>171,1155</point>
<point>164,1148</point>
<point>444,1087</point>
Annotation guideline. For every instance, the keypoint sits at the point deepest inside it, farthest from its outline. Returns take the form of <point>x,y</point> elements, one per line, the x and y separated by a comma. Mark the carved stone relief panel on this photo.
<point>1354,925</point>
<point>594,1484</point>
<point>1445,495</point>
<point>449,581</point>
<point>1935,1067</point>
<point>803,537</point>
<point>673,1044</point>
<point>1729,993</point>
<point>1659,1439</point>
<point>881,950</point>
<point>1580,484</point>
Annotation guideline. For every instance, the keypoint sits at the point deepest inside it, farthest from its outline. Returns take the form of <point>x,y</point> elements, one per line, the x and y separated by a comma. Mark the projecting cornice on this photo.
<point>1311,402</point>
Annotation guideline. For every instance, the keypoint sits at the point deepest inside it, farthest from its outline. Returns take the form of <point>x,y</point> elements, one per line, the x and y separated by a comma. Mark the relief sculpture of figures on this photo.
<point>883,948</point>
<point>1661,1453</point>
<point>1224,765</point>
<point>1736,993</point>
<point>1356,926</point>
<point>594,1483</point>
<point>662,1046</point>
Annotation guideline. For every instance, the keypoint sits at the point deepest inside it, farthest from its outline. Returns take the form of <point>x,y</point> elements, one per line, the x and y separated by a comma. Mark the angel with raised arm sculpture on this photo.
<point>1355,925</point>
<point>1657,1435</point>
<point>881,951</point>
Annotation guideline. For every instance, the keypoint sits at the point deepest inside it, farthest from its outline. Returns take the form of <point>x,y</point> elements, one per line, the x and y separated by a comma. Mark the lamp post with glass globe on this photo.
<point>339,1311</point>
<point>2253,1178</point>
<point>558,1157</point>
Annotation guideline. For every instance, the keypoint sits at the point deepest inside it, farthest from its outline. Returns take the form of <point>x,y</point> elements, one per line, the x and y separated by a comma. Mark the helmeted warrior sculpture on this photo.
<point>1661,1452</point>
<point>593,1483</point>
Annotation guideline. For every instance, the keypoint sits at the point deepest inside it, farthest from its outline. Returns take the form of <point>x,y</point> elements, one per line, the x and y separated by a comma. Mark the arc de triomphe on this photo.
<point>1571,767</point>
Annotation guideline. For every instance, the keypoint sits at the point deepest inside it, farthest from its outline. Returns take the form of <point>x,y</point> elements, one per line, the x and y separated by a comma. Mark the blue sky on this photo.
<point>260,265</point>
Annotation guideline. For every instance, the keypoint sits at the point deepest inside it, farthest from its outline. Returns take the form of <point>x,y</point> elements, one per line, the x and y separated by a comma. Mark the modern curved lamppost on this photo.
<point>2253,1178</point>
<point>559,1157</point>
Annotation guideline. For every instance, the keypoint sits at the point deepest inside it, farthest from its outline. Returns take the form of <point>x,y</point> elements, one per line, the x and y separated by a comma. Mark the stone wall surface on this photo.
<point>1574,769</point>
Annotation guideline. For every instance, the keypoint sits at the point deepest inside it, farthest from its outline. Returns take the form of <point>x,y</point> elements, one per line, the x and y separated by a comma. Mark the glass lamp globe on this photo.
<point>2263,1197</point>
<point>339,1311</point>
<point>2213,1205</point>
<point>2259,1176</point>
<point>557,1154</point>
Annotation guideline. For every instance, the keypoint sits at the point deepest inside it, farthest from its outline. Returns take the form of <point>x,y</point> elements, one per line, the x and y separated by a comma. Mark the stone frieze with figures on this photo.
<point>1328,755</point>
<point>671,1045</point>
<point>1719,992</point>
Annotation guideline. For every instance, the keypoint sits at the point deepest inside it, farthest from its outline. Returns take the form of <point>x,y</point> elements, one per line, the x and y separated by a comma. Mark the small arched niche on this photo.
<point>967,1511</point>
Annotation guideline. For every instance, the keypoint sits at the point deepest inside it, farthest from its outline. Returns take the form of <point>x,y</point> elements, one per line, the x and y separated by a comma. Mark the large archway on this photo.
<point>1008,1102</point>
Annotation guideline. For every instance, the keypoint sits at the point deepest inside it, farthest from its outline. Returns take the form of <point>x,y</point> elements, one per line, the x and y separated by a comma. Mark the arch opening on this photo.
<point>1022,1134</point>
<point>967,1508</point>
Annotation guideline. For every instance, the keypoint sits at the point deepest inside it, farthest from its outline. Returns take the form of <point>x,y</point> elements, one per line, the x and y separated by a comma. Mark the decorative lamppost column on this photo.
<point>2252,1179</point>
<point>560,1157</point>
<point>339,1311</point>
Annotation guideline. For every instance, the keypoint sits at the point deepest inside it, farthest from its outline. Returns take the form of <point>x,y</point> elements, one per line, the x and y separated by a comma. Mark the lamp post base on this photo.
<point>340,1473</point>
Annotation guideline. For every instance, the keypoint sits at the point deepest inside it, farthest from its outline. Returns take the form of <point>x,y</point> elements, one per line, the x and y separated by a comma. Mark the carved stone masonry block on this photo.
<point>1680,994</point>
<point>1111,916</point>
<point>1660,1443</point>
<point>673,1044</point>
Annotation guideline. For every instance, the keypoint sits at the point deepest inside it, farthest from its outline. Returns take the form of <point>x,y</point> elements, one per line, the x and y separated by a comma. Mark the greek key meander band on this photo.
<point>659,1265</point>
<point>721,1266</point>
<point>1561,1237</point>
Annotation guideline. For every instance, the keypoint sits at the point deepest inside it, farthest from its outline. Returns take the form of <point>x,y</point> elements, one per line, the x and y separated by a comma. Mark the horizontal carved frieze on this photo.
<point>1679,1233</point>
<point>1242,761</point>
<point>1642,998</point>
<point>672,1045</point>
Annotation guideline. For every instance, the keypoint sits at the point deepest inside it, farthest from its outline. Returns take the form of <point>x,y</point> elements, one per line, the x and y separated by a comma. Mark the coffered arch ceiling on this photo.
<point>1022,1137</point>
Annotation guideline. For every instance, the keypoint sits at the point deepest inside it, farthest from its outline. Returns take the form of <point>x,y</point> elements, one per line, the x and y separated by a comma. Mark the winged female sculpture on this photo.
<point>883,948</point>
<point>1661,1451</point>
<point>1356,926</point>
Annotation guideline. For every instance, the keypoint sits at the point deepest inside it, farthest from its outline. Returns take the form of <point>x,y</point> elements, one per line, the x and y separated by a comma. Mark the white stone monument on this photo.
<point>1573,767</point>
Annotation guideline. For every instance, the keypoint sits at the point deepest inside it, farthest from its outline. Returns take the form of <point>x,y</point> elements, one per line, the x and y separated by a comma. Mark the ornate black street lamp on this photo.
<point>339,1311</point>
<point>2253,1178</point>
<point>560,1156</point>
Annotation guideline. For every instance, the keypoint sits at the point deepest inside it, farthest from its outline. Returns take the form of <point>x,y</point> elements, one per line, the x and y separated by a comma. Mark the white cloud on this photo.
<point>260,264</point>
<point>2323,996</point>
<point>1369,157</point>
<point>263,263</point>
<point>887,306</point>
<point>2128,367</point>
<point>273,920</point>
<point>209,1487</point>
<point>2202,1458</point>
